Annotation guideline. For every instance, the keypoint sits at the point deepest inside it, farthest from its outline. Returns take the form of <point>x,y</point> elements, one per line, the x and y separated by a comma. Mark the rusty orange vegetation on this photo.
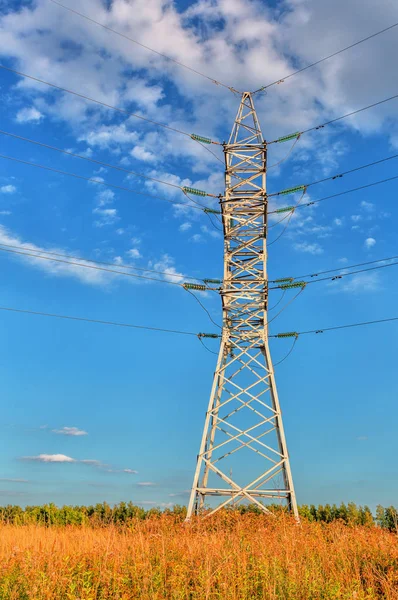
<point>234,557</point>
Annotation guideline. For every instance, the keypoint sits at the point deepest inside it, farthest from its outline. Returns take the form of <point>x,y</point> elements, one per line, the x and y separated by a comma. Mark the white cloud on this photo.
<point>26,115</point>
<point>185,226</point>
<point>56,269</point>
<point>74,431</point>
<point>130,471</point>
<point>196,237</point>
<point>51,458</point>
<point>368,206</point>
<point>369,243</point>
<point>166,265</point>
<point>105,196</point>
<point>338,222</point>
<point>140,153</point>
<point>120,231</point>
<point>107,216</point>
<point>343,260</point>
<point>361,282</point>
<point>146,483</point>
<point>314,248</point>
<point>8,189</point>
<point>134,253</point>
<point>356,218</point>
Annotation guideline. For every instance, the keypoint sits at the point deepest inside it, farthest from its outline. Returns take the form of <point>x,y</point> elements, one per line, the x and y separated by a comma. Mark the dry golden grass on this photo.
<point>234,557</point>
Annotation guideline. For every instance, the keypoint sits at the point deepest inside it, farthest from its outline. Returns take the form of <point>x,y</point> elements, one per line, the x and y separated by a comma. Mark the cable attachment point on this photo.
<point>211,211</point>
<point>294,284</point>
<point>287,334</point>
<point>292,190</point>
<point>199,138</point>
<point>285,209</point>
<point>189,190</point>
<point>208,335</point>
<point>283,280</point>
<point>194,286</point>
<point>287,138</point>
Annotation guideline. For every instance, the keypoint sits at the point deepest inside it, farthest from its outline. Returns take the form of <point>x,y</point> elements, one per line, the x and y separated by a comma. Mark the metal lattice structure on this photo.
<point>243,454</point>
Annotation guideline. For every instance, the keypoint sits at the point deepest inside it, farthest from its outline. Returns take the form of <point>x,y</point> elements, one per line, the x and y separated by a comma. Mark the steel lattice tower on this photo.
<point>243,454</point>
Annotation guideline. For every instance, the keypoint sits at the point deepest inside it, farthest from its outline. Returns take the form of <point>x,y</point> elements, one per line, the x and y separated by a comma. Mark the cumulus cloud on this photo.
<point>140,153</point>
<point>309,248</point>
<point>369,243</point>
<point>57,269</point>
<point>361,282</point>
<point>73,431</point>
<point>50,458</point>
<point>134,253</point>
<point>26,115</point>
<point>8,189</point>
<point>185,226</point>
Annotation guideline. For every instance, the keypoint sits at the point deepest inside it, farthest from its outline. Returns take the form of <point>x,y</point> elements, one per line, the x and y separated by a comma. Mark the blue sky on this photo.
<point>115,414</point>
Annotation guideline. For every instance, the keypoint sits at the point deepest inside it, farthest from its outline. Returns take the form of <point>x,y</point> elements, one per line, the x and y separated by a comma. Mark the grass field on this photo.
<point>234,557</point>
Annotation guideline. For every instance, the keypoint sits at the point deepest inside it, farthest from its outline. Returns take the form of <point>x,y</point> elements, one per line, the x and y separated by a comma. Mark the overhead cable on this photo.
<point>101,322</point>
<point>99,262</point>
<point>338,175</point>
<point>362,187</point>
<point>336,327</point>
<point>363,264</point>
<point>350,114</point>
<point>282,80</point>
<point>93,180</point>
<point>92,160</point>
<point>121,110</point>
<point>335,277</point>
<point>177,62</point>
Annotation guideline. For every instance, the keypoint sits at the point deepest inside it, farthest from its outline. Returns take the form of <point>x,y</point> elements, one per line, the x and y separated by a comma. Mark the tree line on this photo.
<point>124,512</point>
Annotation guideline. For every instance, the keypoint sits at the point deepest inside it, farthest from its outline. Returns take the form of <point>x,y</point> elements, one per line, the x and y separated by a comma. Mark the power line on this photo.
<point>144,46</point>
<point>341,275</point>
<point>98,262</point>
<point>122,110</point>
<point>362,187</point>
<point>101,322</point>
<point>297,333</point>
<point>92,180</point>
<point>369,37</point>
<point>350,114</point>
<point>76,264</point>
<point>92,160</point>
<point>339,175</point>
<point>370,262</point>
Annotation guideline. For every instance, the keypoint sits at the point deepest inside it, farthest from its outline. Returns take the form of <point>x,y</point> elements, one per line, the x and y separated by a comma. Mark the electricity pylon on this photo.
<point>243,454</point>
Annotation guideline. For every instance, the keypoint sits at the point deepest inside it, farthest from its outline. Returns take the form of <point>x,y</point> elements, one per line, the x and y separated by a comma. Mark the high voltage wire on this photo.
<point>339,175</point>
<point>92,160</point>
<point>336,327</point>
<point>69,262</point>
<point>350,114</point>
<point>283,79</point>
<point>340,275</point>
<point>122,110</point>
<point>30,253</point>
<point>101,322</point>
<point>112,185</point>
<point>99,262</point>
<point>362,187</point>
<point>179,332</point>
<point>370,262</point>
<point>144,46</point>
